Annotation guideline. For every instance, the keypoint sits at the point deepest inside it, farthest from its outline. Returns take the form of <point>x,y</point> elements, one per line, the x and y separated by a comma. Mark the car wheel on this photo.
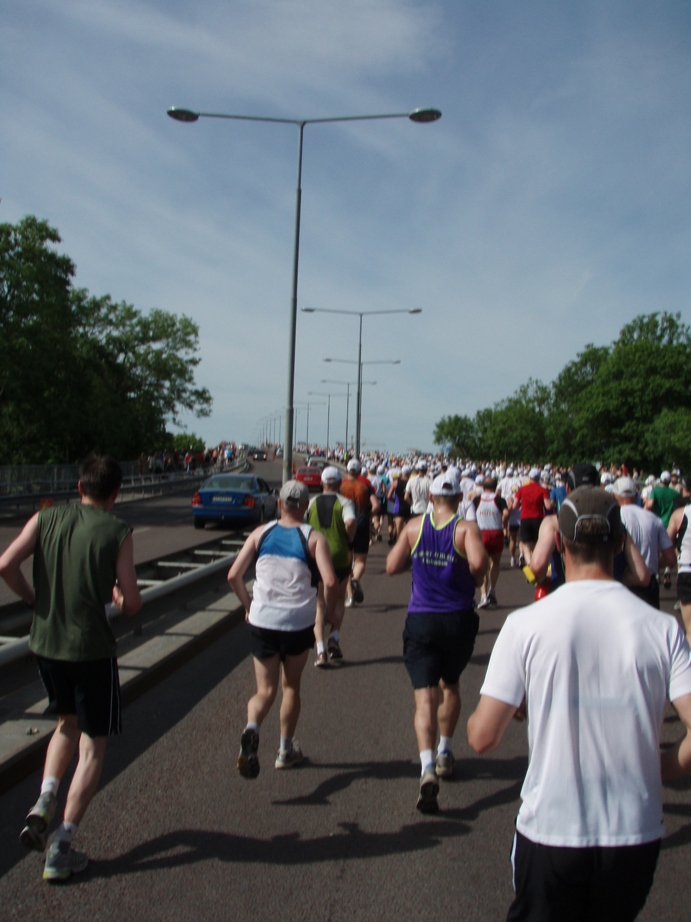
<point>199,523</point>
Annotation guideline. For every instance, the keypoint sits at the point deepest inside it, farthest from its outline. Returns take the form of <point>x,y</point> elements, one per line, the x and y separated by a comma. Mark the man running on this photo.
<point>448,561</point>
<point>83,559</point>
<point>289,558</point>
<point>334,516</point>
<point>534,502</point>
<point>359,490</point>
<point>491,513</point>
<point>596,665</point>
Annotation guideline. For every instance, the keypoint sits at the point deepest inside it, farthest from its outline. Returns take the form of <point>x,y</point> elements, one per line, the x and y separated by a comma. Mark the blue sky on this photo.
<point>548,207</point>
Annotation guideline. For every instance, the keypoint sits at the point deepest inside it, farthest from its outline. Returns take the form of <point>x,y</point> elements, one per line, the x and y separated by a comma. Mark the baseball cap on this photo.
<point>406,469</point>
<point>354,466</point>
<point>534,473</point>
<point>665,477</point>
<point>421,465</point>
<point>625,486</point>
<point>294,494</point>
<point>331,475</point>
<point>445,485</point>
<point>590,515</point>
<point>581,475</point>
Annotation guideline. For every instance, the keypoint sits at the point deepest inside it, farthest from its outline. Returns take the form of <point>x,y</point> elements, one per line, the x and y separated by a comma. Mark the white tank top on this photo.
<point>488,513</point>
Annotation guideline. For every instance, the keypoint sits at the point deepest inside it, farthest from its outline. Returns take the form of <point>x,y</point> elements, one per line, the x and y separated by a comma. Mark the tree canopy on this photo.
<point>79,372</point>
<point>627,402</point>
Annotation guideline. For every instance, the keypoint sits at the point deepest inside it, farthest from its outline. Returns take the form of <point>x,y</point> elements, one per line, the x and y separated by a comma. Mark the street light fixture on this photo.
<point>420,115</point>
<point>360,314</point>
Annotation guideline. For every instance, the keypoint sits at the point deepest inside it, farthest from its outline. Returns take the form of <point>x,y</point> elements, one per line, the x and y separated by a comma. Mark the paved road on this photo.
<point>175,833</point>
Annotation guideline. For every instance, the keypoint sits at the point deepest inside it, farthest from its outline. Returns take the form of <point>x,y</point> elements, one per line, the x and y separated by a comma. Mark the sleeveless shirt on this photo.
<point>442,581</point>
<point>284,593</point>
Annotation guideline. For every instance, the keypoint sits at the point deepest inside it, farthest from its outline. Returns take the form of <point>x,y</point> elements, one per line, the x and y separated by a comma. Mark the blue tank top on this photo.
<point>441,576</point>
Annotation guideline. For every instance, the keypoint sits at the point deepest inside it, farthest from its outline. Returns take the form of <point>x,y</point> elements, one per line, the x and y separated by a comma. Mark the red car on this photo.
<point>310,476</point>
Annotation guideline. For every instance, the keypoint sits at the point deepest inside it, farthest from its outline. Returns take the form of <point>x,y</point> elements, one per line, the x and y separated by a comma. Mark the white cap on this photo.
<point>354,466</point>
<point>331,475</point>
<point>665,477</point>
<point>406,469</point>
<point>534,473</point>
<point>445,485</point>
<point>625,486</point>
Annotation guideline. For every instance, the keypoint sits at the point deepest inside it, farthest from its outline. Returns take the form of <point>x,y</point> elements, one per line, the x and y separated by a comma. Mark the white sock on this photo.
<point>445,744</point>
<point>251,725</point>
<point>66,832</point>
<point>426,758</point>
<point>286,744</point>
<point>335,635</point>
<point>50,785</point>
<point>321,647</point>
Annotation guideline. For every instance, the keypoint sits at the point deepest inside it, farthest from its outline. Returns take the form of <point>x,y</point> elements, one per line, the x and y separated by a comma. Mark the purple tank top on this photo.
<point>441,576</point>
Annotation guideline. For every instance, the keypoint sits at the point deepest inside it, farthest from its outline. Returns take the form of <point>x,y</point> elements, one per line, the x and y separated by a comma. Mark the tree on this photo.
<point>459,433</point>
<point>79,372</point>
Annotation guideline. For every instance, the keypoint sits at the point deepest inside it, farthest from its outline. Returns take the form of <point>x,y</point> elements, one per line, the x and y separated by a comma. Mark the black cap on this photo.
<point>583,474</point>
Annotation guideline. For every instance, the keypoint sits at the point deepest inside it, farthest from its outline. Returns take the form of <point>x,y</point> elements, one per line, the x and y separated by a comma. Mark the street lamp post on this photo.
<point>328,412</point>
<point>186,115</point>
<point>360,314</point>
<point>348,384</point>
<point>358,402</point>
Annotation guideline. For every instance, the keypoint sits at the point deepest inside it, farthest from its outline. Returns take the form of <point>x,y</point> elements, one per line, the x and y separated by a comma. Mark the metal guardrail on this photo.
<point>13,649</point>
<point>30,495</point>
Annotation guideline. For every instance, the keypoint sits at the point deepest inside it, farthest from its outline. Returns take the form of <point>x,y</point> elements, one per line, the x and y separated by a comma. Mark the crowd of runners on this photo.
<point>590,664</point>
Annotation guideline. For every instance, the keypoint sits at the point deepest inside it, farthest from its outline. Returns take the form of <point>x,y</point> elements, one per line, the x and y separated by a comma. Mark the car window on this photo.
<point>230,483</point>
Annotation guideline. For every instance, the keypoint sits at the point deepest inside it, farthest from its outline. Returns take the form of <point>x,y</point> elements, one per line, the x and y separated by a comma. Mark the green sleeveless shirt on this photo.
<point>325,514</point>
<point>74,575</point>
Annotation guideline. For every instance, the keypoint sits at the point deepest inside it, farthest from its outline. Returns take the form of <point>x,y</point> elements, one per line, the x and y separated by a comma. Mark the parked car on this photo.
<point>311,476</point>
<point>229,498</point>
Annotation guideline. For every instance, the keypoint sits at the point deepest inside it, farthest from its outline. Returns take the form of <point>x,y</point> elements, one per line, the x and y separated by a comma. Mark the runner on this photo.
<point>534,502</point>
<point>491,513</point>
<point>334,516</point>
<point>448,562</point>
<point>289,557</point>
<point>359,490</point>
<point>596,665</point>
<point>80,550</point>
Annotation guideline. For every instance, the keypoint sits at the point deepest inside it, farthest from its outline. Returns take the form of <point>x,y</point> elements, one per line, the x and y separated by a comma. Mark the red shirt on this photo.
<point>532,498</point>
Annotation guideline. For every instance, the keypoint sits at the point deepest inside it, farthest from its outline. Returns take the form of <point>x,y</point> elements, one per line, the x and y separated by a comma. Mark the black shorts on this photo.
<point>362,536</point>
<point>438,646</point>
<point>684,587</point>
<point>529,530</point>
<point>91,690</point>
<point>569,884</point>
<point>266,642</point>
<point>343,573</point>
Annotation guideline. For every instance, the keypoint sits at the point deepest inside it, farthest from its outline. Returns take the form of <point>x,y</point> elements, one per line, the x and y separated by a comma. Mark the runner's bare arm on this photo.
<point>240,566</point>
<point>10,562</point>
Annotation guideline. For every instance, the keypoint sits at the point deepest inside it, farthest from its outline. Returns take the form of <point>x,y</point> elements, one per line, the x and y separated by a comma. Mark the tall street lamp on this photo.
<point>360,314</point>
<point>186,115</point>
<point>328,411</point>
<point>358,407</point>
<point>348,384</point>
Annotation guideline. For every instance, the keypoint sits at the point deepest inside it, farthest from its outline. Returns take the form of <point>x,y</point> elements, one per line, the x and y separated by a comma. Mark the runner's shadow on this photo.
<point>191,846</point>
<point>683,835</point>
<point>349,772</point>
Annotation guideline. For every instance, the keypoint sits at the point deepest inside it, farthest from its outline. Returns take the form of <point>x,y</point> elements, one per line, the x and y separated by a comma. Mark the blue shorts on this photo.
<point>438,646</point>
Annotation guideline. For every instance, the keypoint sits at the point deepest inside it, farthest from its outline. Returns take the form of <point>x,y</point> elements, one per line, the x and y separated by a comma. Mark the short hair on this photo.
<point>100,476</point>
<point>602,554</point>
<point>489,483</point>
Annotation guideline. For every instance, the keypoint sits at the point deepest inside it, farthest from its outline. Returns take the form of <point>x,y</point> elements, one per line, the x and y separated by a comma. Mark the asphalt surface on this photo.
<point>175,833</point>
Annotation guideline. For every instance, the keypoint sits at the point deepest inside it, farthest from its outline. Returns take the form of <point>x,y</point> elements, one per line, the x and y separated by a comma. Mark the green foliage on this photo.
<point>628,402</point>
<point>79,372</point>
<point>182,441</point>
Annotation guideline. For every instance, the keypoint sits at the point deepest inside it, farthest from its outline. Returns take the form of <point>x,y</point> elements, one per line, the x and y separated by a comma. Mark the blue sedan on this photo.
<point>233,498</point>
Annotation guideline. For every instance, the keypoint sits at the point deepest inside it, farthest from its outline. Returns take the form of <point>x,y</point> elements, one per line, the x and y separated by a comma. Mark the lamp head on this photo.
<point>424,115</point>
<point>415,310</point>
<point>183,115</point>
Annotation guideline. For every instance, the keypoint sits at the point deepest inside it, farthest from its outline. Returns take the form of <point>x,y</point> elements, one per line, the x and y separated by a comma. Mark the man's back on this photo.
<point>597,665</point>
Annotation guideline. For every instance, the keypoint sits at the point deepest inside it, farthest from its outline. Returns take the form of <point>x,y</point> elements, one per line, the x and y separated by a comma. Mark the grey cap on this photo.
<point>590,515</point>
<point>625,486</point>
<point>294,494</point>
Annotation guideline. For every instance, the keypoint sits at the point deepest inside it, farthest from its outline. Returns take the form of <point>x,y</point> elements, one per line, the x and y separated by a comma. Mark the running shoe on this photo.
<point>521,561</point>
<point>349,602</point>
<point>484,602</point>
<point>248,760</point>
<point>444,764</point>
<point>667,581</point>
<point>35,834</point>
<point>334,649</point>
<point>62,861</point>
<point>322,661</point>
<point>492,597</point>
<point>358,594</point>
<point>289,759</point>
<point>429,788</point>
<point>513,562</point>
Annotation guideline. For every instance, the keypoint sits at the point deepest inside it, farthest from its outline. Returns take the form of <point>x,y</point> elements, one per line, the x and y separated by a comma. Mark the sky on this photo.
<point>547,207</point>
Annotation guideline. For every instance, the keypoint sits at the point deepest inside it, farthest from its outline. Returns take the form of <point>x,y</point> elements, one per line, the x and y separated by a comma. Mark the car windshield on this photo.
<point>230,482</point>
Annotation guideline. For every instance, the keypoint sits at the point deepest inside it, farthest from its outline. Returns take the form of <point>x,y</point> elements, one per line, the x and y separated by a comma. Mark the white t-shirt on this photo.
<point>418,489</point>
<point>647,533</point>
<point>596,664</point>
